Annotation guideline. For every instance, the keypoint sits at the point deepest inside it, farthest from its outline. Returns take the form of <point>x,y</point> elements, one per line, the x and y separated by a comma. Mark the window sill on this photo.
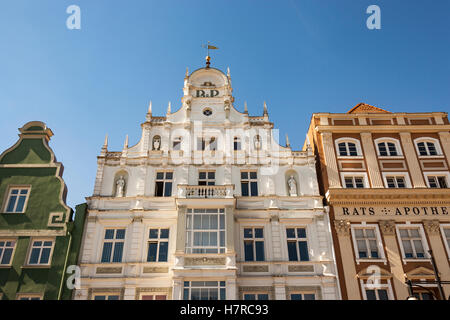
<point>5,267</point>
<point>47,266</point>
<point>380,260</point>
<point>439,156</point>
<point>407,260</point>
<point>390,157</point>
<point>349,157</point>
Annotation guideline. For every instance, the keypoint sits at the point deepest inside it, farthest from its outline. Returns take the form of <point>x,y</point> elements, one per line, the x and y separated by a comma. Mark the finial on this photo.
<point>208,61</point>
<point>125,146</point>
<point>308,143</point>
<point>245,107</point>
<point>288,145</point>
<point>265,109</point>
<point>150,108</point>
<point>228,72</point>
<point>105,144</point>
<point>187,73</point>
<point>169,108</point>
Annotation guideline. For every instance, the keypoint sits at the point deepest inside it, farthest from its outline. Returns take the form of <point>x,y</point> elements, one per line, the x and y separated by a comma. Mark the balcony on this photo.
<point>205,192</point>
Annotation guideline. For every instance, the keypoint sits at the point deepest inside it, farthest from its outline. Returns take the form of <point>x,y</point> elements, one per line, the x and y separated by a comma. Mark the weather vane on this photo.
<point>208,47</point>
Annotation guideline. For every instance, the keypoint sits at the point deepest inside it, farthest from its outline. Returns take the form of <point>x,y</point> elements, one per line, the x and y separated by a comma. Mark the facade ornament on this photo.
<point>432,226</point>
<point>257,142</point>
<point>342,227</point>
<point>120,183</point>
<point>292,186</point>
<point>387,227</point>
<point>156,143</point>
<point>265,109</point>
<point>288,144</point>
<point>245,107</point>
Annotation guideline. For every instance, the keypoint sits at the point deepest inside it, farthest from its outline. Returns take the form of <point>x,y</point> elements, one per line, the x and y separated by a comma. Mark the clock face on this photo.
<point>207,112</point>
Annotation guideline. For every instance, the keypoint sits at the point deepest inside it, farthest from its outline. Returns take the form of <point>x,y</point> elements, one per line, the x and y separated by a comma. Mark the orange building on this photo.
<point>385,177</point>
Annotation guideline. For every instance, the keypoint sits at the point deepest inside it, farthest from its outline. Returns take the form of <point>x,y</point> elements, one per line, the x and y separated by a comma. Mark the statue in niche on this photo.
<point>156,143</point>
<point>120,187</point>
<point>292,186</point>
<point>257,142</point>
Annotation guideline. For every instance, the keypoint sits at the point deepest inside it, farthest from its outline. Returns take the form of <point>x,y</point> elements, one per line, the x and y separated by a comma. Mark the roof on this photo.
<point>366,108</point>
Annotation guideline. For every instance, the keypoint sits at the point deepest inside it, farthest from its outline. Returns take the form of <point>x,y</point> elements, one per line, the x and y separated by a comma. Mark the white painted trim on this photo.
<point>396,142</point>
<point>422,236</point>
<point>446,244</point>
<point>446,174</point>
<point>352,140</point>
<point>387,286</point>
<point>30,247</point>
<point>432,140</point>
<point>12,254</point>
<point>378,239</point>
<point>355,174</point>
<point>397,174</point>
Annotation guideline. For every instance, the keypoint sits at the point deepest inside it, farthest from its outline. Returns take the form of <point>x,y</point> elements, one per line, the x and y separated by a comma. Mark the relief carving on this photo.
<point>432,226</point>
<point>387,227</point>
<point>342,227</point>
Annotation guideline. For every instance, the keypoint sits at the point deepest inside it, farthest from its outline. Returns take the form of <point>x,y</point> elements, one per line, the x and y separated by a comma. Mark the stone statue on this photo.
<point>257,141</point>
<point>120,183</point>
<point>156,143</point>
<point>292,186</point>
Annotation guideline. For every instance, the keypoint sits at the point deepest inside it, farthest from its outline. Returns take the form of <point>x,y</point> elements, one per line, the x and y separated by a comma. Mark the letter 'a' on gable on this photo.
<point>32,146</point>
<point>366,108</point>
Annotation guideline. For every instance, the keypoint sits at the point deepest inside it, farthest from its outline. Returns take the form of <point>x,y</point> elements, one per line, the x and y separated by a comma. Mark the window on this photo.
<point>205,230</point>
<point>377,294</point>
<point>29,297</point>
<point>387,149</point>
<point>412,244</point>
<point>41,252</point>
<point>256,296</point>
<point>446,233</point>
<point>204,290</point>
<point>6,251</point>
<point>297,244</point>
<point>154,297</point>
<point>113,245</point>
<point>354,182</point>
<point>106,297</point>
<point>347,149</point>
<point>254,244</point>
<point>163,186</point>
<point>366,243</point>
<point>17,199</point>
<point>395,182</point>
<point>427,148</point>
<point>249,183</point>
<point>207,112</point>
<point>158,245</point>
<point>177,143</point>
<point>303,296</point>
<point>437,182</point>
<point>236,143</point>
<point>423,295</point>
<point>206,178</point>
<point>201,144</point>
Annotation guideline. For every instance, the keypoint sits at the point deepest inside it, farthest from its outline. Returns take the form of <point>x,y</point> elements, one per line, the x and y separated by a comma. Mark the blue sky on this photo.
<point>300,56</point>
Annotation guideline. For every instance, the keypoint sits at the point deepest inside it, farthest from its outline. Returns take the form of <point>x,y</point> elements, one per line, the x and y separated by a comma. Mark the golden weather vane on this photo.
<point>208,47</point>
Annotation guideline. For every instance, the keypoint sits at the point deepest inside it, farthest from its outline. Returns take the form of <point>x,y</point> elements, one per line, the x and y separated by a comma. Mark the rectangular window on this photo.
<point>236,144</point>
<point>377,294</point>
<point>204,290</point>
<point>106,297</point>
<point>154,297</point>
<point>297,244</point>
<point>29,297</point>
<point>354,182</point>
<point>113,245</point>
<point>366,242</point>
<point>17,199</point>
<point>213,144</point>
<point>437,182</point>
<point>254,244</point>
<point>423,296</point>
<point>256,296</point>
<point>249,183</point>
<point>303,296</point>
<point>412,243</point>
<point>206,178</point>
<point>163,186</point>
<point>6,251</point>
<point>158,245</point>
<point>41,252</point>
<point>205,231</point>
<point>447,235</point>
<point>396,182</point>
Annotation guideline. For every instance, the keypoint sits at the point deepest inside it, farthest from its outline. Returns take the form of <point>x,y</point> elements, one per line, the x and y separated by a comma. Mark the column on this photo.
<point>177,293</point>
<point>231,289</point>
<point>372,161</point>
<point>229,229</point>
<point>432,228</point>
<point>181,230</point>
<point>394,257</point>
<point>330,160</point>
<point>348,259</point>
<point>411,158</point>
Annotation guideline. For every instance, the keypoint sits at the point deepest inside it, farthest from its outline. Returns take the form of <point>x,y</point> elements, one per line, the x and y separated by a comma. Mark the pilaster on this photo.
<point>411,158</point>
<point>330,160</point>
<point>371,160</point>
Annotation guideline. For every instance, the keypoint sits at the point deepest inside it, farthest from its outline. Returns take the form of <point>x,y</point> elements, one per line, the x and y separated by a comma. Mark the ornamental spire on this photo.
<point>245,107</point>
<point>125,145</point>
<point>187,73</point>
<point>288,145</point>
<point>148,117</point>
<point>105,144</point>
<point>169,108</point>
<point>265,109</point>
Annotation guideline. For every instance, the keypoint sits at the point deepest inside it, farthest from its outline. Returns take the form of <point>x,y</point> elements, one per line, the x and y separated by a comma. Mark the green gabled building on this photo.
<point>39,237</point>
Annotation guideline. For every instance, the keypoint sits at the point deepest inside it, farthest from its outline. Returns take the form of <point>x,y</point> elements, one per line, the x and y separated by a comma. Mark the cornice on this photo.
<point>385,128</point>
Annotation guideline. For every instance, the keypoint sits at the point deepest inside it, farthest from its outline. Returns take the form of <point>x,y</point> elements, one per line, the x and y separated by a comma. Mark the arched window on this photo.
<point>236,143</point>
<point>428,147</point>
<point>177,143</point>
<point>348,147</point>
<point>388,147</point>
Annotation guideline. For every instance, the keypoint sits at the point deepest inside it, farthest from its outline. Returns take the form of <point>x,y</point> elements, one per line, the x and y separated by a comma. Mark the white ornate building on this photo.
<point>207,205</point>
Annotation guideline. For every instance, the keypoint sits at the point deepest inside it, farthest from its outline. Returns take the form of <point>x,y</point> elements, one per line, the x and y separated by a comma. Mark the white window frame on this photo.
<point>436,143</point>
<point>409,225</point>
<point>380,247</point>
<point>207,180</point>
<point>303,294</point>
<point>219,286</point>
<point>359,153</point>
<point>355,174</point>
<point>383,286</point>
<point>446,244</point>
<point>30,249</point>
<point>158,240</point>
<point>403,174</point>
<point>256,293</point>
<point>29,295</point>
<point>445,174</point>
<point>249,182</point>
<point>154,294</point>
<point>12,254</point>
<point>8,196</point>
<point>297,239</point>
<point>106,295</point>
<point>253,239</point>
<point>164,180</point>
<point>391,140</point>
<point>114,241</point>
